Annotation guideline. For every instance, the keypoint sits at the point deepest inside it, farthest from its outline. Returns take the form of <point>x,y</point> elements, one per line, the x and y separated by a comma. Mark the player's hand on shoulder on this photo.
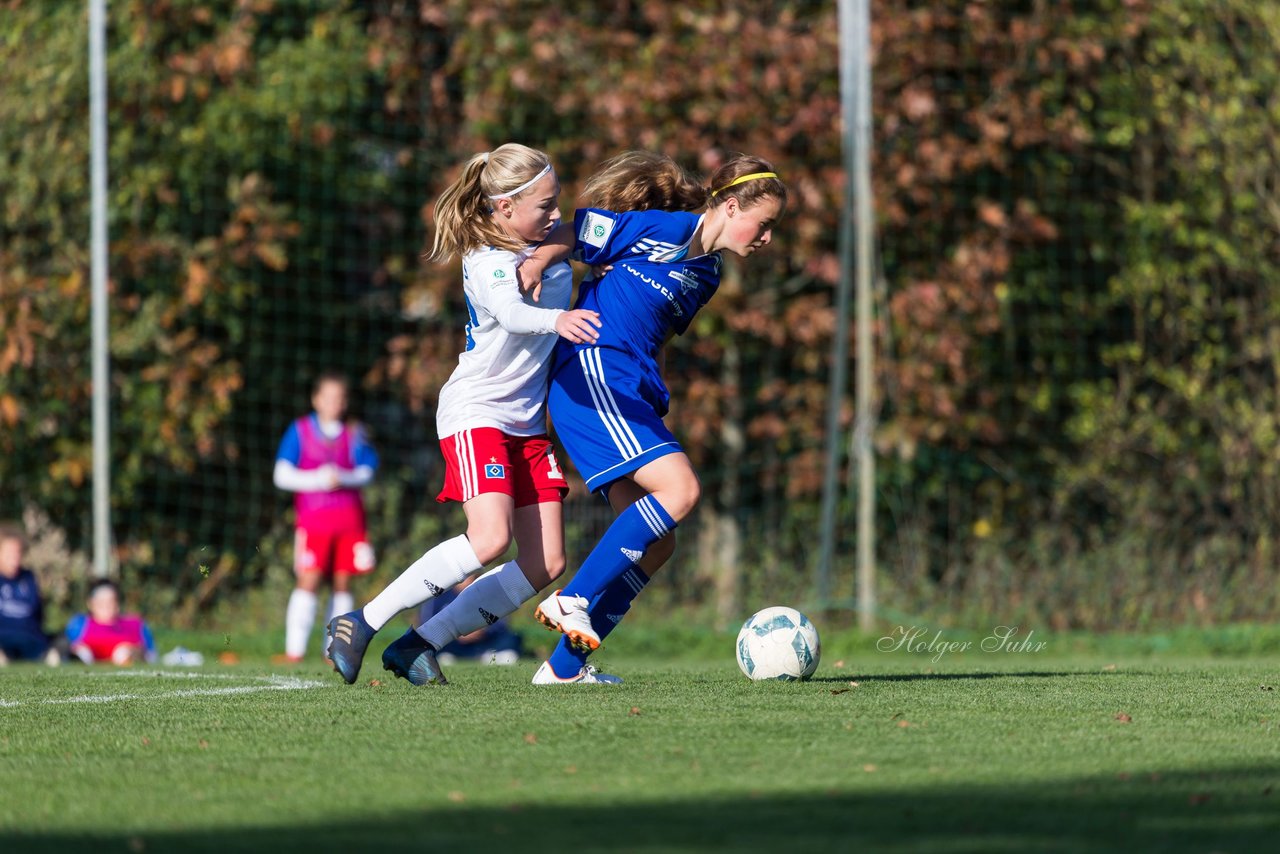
<point>578,326</point>
<point>598,271</point>
<point>529,275</point>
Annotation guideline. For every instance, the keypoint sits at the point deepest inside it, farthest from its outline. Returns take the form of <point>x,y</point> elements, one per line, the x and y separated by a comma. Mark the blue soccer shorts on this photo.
<point>603,421</point>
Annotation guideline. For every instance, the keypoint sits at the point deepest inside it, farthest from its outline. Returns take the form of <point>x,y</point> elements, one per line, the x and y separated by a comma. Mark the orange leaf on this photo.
<point>10,411</point>
<point>197,282</point>
<point>992,214</point>
<point>271,254</point>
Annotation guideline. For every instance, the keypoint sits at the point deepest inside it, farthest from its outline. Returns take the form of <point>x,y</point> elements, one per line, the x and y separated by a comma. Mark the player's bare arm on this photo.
<point>557,247</point>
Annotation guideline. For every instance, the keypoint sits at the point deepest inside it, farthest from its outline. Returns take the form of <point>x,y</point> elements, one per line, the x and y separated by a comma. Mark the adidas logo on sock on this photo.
<point>488,618</point>
<point>614,618</point>
<point>435,589</point>
<point>632,555</point>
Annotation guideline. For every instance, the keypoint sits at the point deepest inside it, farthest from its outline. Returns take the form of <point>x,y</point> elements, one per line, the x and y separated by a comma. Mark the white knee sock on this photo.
<point>430,575</point>
<point>299,617</point>
<point>340,603</point>
<point>486,600</point>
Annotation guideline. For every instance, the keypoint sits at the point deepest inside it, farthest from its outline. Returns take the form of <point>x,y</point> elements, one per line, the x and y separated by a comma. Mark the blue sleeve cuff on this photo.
<point>290,446</point>
<point>75,627</point>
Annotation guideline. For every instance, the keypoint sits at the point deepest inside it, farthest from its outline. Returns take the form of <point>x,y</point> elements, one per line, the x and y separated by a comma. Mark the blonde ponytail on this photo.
<point>464,211</point>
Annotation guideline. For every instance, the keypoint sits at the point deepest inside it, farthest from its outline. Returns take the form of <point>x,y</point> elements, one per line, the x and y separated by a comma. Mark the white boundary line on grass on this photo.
<point>266,683</point>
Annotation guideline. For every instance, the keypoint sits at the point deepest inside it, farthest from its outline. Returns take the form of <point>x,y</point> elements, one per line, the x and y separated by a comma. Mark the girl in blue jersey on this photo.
<point>607,397</point>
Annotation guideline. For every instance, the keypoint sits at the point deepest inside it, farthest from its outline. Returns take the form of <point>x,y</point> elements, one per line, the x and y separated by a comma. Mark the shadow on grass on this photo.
<point>1232,809</point>
<point>931,677</point>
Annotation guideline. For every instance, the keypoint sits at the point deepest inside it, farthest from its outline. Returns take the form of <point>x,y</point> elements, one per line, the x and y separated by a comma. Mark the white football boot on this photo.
<point>588,675</point>
<point>568,615</point>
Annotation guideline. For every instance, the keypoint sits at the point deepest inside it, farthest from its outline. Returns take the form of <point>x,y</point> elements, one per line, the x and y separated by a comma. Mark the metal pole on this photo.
<point>864,431</point>
<point>98,287</point>
<point>840,353</point>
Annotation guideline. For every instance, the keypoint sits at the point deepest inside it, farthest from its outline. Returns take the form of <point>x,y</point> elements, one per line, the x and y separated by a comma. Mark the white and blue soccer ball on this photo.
<point>778,643</point>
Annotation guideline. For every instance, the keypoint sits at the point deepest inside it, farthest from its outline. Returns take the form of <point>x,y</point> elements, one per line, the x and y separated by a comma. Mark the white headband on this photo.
<point>526,185</point>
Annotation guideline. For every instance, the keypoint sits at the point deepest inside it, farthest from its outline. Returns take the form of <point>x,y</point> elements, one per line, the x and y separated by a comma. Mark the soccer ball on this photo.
<point>778,643</point>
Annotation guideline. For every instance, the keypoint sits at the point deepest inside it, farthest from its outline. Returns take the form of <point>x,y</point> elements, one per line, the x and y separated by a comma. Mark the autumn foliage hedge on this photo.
<point>1077,235</point>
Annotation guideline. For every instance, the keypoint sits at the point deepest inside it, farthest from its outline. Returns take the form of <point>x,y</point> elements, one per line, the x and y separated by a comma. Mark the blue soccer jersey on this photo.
<point>653,290</point>
<point>607,399</point>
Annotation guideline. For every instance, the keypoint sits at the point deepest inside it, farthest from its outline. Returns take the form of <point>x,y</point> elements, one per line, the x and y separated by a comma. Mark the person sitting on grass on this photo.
<point>104,634</point>
<point>22,636</point>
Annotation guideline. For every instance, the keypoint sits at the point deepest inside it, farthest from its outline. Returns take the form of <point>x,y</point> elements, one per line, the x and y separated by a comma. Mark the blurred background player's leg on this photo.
<point>300,615</point>
<point>311,560</point>
<point>353,556</point>
<point>339,603</point>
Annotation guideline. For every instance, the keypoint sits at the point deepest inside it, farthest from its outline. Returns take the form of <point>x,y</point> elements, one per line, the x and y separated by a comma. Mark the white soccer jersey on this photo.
<point>501,378</point>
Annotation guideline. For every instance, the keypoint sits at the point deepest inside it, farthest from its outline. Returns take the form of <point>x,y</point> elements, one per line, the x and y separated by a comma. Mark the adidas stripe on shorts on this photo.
<point>601,416</point>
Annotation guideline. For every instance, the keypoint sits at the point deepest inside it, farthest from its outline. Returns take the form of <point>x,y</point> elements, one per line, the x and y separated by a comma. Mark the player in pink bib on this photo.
<point>324,461</point>
<point>104,634</point>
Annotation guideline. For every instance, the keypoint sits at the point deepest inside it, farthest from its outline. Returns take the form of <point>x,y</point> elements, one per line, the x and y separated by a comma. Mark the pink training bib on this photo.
<point>102,639</point>
<point>339,509</point>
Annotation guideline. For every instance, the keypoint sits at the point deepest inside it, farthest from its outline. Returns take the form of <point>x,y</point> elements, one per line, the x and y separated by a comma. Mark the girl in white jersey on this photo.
<point>491,418</point>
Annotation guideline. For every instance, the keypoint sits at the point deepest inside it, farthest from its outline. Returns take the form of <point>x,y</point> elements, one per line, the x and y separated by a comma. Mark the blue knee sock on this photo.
<point>636,528</point>
<point>606,611</point>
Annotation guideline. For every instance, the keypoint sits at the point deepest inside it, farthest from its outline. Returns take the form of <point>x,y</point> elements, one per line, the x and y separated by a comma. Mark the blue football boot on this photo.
<point>349,637</point>
<point>412,658</point>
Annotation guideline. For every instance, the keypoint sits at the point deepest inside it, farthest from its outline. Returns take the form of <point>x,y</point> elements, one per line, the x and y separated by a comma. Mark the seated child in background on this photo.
<point>493,644</point>
<point>22,636</point>
<point>104,635</point>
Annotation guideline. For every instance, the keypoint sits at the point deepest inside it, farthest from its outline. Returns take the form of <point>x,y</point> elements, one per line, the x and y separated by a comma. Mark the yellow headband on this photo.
<point>736,181</point>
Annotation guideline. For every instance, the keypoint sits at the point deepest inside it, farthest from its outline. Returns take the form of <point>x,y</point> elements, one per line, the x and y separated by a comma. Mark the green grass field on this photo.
<point>1063,751</point>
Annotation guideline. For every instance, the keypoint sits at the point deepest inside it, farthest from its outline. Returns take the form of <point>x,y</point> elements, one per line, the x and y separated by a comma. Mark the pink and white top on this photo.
<point>307,447</point>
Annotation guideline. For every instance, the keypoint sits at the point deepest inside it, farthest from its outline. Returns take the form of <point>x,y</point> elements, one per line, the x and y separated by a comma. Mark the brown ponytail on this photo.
<point>643,180</point>
<point>747,179</point>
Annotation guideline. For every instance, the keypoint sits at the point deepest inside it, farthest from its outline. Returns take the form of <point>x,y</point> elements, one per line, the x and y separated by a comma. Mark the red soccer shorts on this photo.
<point>485,459</point>
<point>331,552</point>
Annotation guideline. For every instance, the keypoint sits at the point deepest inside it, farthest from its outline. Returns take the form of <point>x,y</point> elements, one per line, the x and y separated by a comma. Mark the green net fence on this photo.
<point>1077,248</point>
